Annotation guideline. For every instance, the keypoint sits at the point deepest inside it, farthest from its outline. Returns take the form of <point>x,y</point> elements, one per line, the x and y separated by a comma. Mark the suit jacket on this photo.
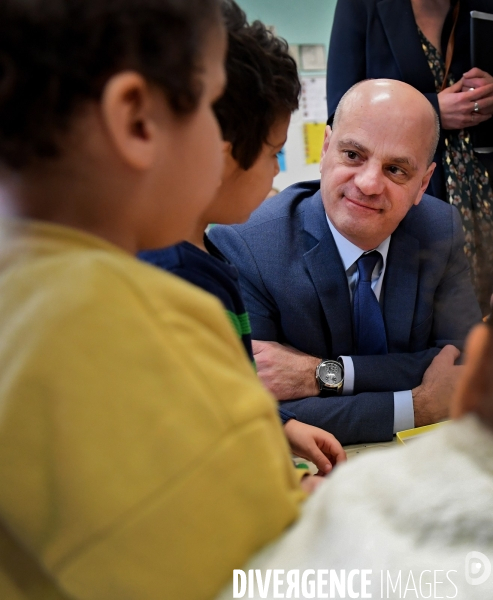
<point>379,38</point>
<point>296,291</point>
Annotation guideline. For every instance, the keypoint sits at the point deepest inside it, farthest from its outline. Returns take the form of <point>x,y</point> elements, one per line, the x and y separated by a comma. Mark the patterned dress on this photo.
<point>468,188</point>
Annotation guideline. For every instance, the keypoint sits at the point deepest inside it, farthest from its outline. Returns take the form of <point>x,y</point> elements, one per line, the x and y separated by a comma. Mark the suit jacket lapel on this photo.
<point>329,278</point>
<point>400,289</point>
<point>400,28</point>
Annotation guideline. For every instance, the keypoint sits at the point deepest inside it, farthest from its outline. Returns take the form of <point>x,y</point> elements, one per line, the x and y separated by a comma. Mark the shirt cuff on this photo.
<point>348,386</point>
<point>403,411</point>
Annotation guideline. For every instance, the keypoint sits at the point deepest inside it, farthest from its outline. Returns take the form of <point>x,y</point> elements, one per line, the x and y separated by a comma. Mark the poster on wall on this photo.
<point>281,159</point>
<point>314,136</point>
<point>312,57</point>
<point>314,113</point>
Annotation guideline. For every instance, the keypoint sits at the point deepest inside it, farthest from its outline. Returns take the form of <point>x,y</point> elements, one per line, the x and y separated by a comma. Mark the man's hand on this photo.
<point>287,373</point>
<point>432,398</point>
<point>314,444</point>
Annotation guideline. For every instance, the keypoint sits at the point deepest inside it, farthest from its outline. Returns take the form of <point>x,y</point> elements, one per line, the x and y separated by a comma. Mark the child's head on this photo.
<point>261,93</point>
<point>123,88</point>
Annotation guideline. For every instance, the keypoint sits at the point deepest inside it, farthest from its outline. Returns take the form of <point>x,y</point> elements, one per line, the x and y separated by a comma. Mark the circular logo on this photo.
<point>478,568</point>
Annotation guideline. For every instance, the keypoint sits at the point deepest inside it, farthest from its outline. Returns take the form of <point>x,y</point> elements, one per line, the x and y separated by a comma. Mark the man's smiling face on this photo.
<point>375,161</point>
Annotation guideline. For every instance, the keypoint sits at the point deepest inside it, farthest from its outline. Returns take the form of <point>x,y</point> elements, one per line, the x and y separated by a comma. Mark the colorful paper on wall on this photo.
<point>314,139</point>
<point>281,159</point>
<point>313,103</point>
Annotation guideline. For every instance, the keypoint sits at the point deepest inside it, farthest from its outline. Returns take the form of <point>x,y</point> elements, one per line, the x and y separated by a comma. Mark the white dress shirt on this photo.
<point>349,253</point>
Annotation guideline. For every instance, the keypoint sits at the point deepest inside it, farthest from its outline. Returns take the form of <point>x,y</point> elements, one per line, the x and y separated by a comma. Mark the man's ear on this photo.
<point>325,146</point>
<point>424,182</point>
<point>475,390</point>
<point>129,110</point>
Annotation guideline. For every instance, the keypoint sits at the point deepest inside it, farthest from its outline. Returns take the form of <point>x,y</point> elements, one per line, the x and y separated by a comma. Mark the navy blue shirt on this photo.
<point>212,272</point>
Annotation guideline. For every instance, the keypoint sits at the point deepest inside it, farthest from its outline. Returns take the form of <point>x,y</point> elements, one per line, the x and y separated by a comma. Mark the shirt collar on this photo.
<point>350,253</point>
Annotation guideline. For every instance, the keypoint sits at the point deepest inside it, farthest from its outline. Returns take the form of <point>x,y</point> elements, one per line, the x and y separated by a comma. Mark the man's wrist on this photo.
<point>418,404</point>
<point>311,380</point>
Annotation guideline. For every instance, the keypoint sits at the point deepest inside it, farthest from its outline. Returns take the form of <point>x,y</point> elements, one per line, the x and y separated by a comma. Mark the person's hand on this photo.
<point>457,107</point>
<point>287,373</point>
<point>310,483</point>
<point>475,78</point>
<point>432,398</point>
<point>314,444</point>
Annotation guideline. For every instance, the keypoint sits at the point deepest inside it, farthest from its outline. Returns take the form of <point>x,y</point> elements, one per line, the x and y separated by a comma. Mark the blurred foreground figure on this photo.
<point>418,517</point>
<point>140,457</point>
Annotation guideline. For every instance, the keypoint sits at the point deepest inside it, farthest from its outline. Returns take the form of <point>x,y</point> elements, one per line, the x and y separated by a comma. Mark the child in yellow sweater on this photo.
<point>140,457</point>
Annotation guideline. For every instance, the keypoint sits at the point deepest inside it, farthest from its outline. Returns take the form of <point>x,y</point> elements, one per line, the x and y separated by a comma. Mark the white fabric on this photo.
<point>423,507</point>
<point>348,386</point>
<point>349,253</point>
<point>403,411</point>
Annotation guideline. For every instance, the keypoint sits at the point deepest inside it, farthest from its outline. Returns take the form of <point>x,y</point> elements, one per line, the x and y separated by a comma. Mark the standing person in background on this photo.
<point>426,43</point>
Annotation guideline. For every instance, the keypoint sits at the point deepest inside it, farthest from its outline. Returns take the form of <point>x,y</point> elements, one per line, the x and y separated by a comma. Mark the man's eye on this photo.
<point>351,155</point>
<point>396,170</point>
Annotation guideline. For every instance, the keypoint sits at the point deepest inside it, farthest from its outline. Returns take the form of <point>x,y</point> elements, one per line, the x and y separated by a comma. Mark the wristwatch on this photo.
<point>330,377</point>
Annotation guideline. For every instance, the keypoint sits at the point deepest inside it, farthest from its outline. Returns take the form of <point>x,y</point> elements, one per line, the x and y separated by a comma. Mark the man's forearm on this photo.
<point>286,372</point>
<point>391,372</point>
<point>351,419</point>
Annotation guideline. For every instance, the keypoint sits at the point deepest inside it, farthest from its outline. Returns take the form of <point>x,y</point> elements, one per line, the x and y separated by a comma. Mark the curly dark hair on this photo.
<point>263,85</point>
<point>56,54</point>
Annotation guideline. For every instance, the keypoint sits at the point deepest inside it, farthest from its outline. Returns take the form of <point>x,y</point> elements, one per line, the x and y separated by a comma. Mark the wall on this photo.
<point>299,22</point>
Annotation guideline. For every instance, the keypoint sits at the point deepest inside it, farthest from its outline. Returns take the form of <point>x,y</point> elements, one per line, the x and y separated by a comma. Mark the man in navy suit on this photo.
<point>357,286</point>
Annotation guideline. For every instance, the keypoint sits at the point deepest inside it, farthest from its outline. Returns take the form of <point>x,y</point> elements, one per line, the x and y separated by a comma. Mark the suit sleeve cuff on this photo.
<point>286,415</point>
<point>403,411</point>
<point>348,387</point>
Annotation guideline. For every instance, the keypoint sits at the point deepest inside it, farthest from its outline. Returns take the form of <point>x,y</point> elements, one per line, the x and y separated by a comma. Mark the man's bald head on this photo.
<point>392,94</point>
<point>376,159</point>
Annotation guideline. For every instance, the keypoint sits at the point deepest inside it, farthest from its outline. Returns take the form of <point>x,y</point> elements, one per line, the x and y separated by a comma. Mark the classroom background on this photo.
<point>306,25</point>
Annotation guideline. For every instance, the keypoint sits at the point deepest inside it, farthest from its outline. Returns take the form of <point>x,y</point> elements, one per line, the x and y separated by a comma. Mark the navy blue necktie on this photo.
<point>369,328</point>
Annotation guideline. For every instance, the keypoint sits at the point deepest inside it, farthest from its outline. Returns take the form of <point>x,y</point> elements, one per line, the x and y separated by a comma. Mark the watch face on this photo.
<point>330,373</point>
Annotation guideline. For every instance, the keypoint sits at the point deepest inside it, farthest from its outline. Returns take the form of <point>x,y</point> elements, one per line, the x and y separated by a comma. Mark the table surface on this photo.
<point>356,449</point>
<point>352,451</point>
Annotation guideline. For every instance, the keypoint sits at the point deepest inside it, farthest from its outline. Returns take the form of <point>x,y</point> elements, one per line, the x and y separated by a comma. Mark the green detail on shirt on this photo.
<point>241,323</point>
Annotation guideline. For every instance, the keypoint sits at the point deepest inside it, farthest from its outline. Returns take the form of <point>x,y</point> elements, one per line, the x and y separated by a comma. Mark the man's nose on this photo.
<point>370,180</point>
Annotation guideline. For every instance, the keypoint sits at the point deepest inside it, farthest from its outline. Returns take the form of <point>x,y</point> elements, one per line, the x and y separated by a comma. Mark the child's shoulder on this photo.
<point>67,274</point>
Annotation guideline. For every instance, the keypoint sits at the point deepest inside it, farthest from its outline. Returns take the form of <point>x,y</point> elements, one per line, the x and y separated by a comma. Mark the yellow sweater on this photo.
<point>139,455</point>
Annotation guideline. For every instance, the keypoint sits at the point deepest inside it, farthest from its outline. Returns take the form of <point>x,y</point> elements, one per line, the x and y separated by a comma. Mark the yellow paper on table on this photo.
<point>404,437</point>
<point>314,139</point>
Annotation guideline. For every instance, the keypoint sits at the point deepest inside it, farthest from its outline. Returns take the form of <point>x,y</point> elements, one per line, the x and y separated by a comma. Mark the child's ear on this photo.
<point>227,149</point>
<point>230,164</point>
<point>128,109</point>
